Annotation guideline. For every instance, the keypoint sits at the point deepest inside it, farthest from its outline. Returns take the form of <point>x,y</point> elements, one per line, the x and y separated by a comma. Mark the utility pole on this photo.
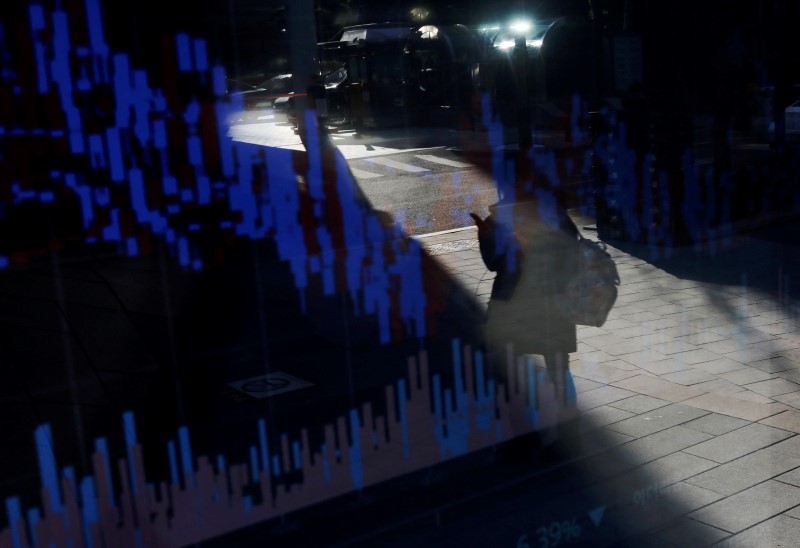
<point>523,101</point>
<point>303,57</point>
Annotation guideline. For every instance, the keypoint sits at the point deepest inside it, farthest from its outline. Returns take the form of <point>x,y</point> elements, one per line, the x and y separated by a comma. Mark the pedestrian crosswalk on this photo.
<point>443,161</point>
<point>417,163</point>
<point>361,174</point>
<point>402,166</point>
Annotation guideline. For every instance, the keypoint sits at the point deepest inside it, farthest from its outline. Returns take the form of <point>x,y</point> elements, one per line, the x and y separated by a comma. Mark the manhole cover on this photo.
<point>270,384</point>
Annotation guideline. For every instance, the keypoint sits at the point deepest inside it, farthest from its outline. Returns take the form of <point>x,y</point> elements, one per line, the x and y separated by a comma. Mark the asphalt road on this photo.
<point>425,188</point>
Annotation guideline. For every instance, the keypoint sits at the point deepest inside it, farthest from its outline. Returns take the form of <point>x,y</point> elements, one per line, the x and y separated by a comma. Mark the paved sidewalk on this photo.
<point>694,380</point>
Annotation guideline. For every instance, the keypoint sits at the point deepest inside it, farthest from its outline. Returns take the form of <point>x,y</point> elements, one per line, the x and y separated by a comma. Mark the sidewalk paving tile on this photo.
<point>680,332</point>
<point>602,440</point>
<point>747,395</point>
<point>643,316</point>
<point>788,420</point>
<point>642,298</point>
<point>659,444</point>
<point>792,477</point>
<point>643,357</point>
<point>773,387</point>
<point>749,507</point>
<point>612,344</point>
<point>745,472</point>
<point>753,336</point>
<point>620,364</point>
<point>792,399</point>
<point>720,365</point>
<point>599,372</point>
<point>705,323</point>
<point>667,308</point>
<point>729,328</point>
<point>689,377</point>
<point>659,323</point>
<point>716,424</point>
<point>782,530</point>
<point>789,446</point>
<point>24,312</point>
<point>738,443</point>
<point>677,466</point>
<point>656,420</point>
<point>640,404</point>
<point>665,367</point>
<point>779,328</point>
<point>582,385</point>
<point>694,357</point>
<point>601,396</point>
<point>602,465</point>
<point>633,332</point>
<point>746,376</point>
<point>624,310</point>
<point>793,355</point>
<point>729,404</point>
<point>791,338</point>
<point>696,317</point>
<point>602,416</point>
<point>688,497</point>
<point>719,386</point>
<point>658,480</point>
<point>593,357</point>
<point>723,346</point>
<point>779,344</point>
<point>658,388</point>
<point>676,349</point>
<point>751,354</point>
<point>760,320</point>
<point>699,337</point>
<point>774,365</point>
<point>111,340</point>
<point>692,533</point>
<point>619,324</point>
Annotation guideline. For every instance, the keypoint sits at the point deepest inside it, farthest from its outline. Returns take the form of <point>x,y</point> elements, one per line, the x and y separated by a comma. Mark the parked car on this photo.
<point>792,121</point>
<point>792,114</point>
<point>273,93</point>
<point>278,94</point>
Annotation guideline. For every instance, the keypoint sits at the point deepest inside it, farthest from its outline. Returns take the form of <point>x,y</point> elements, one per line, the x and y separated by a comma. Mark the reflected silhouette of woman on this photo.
<point>531,243</point>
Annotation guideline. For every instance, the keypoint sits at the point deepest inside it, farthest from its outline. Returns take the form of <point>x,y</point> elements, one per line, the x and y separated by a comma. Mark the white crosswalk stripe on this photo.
<point>361,174</point>
<point>397,165</point>
<point>442,161</point>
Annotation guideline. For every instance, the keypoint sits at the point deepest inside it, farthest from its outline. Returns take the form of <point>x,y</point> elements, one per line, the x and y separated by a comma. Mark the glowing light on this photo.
<point>521,26</point>
<point>420,13</point>
<point>508,44</point>
<point>429,32</point>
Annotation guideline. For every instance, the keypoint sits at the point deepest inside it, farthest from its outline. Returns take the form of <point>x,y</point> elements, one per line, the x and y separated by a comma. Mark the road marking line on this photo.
<point>443,161</point>
<point>397,165</point>
<point>361,174</point>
